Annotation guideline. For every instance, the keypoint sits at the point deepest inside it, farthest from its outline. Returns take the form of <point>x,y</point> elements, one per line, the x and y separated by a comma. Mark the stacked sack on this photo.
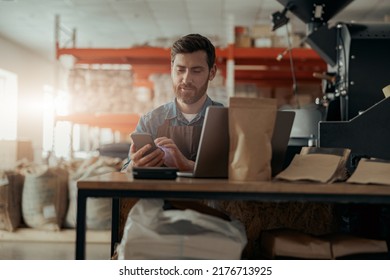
<point>11,186</point>
<point>44,197</point>
<point>98,209</point>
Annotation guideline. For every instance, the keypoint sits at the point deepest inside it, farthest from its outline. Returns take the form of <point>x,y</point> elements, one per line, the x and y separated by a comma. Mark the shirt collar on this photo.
<point>174,112</point>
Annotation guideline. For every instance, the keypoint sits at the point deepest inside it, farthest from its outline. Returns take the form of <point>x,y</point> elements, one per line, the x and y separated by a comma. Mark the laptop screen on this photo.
<point>213,152</point>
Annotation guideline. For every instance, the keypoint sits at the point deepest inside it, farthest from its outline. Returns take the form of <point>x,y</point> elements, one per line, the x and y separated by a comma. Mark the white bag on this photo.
<point>98,215</point>
<point>45,197</point>
<point>152,233</point>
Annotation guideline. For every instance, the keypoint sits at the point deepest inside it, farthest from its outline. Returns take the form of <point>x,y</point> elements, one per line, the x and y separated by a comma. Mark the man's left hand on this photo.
<point>173,157</point>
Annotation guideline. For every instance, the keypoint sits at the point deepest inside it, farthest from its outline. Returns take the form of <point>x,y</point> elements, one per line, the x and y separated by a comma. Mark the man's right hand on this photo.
<point>155,158</point>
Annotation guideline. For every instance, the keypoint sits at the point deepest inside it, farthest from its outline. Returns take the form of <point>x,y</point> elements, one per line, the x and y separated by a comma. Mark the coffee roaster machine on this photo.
<point>358,58</point>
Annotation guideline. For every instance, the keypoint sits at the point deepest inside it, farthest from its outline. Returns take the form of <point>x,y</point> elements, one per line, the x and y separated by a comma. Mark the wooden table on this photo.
<point>117,185</point>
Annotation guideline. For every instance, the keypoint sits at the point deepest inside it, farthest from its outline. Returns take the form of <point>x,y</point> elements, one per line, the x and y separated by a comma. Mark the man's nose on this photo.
<point>187,76</point>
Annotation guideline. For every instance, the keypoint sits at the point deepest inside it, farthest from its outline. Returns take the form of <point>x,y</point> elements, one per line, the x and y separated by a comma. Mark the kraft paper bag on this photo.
<point>371,171</point>
<point>251,125</point>
<point>318,164</point>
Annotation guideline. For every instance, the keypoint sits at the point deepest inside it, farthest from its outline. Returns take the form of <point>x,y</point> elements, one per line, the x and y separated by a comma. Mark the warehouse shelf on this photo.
<point>251,66</point>
<point>147,60</point>
<point>155,60</point>
<point>119,122</point>
<point>257,66</point>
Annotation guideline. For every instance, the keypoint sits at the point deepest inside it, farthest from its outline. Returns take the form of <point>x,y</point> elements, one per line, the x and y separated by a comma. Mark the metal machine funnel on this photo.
<point>315,11</point>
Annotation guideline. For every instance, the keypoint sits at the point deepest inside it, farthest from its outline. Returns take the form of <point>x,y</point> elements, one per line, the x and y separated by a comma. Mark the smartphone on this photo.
<point>141,139</point>
<point>154,172</point>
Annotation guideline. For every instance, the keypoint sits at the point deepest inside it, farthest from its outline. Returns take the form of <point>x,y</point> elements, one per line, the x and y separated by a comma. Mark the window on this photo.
<point>8,105</point>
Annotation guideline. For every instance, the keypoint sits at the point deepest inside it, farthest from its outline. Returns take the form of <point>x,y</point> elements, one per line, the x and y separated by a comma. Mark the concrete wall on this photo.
<point>33,73</point>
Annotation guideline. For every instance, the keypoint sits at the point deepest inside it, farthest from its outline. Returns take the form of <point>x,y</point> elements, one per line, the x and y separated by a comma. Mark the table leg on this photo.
<point>81,225</point>
<point>114,224</point>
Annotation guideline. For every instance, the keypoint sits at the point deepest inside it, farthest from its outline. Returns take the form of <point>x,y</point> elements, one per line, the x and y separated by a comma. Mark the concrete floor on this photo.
<point>22,250</point>
<point>30,244</point>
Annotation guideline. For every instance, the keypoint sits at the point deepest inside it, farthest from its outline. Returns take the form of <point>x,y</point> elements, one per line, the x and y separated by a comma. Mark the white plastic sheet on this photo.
<point>152,233</point>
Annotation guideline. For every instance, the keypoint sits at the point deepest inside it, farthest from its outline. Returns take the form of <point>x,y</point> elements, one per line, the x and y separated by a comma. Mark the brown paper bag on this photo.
<point>318,164</point>
<point>251,124</point>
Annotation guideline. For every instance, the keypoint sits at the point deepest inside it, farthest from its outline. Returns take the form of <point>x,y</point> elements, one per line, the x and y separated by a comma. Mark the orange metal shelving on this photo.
<point>252,66</point>
<point>151,60</point>
<point>120,122</point>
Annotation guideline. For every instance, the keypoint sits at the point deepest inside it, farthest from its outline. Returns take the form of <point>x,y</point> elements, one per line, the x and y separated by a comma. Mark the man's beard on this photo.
<point>194,96</point>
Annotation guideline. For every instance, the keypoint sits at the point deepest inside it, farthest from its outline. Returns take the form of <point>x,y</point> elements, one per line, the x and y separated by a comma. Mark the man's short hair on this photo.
<point>192,43</point>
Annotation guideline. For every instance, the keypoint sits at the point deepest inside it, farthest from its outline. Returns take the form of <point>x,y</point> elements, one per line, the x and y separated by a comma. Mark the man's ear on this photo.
<point>213,72</point>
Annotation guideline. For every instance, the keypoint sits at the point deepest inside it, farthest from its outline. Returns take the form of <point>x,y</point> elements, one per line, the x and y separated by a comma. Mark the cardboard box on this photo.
<point>243,41</point>
<point>13,150</point>
<point>241,30</point>
<point>261,30</point>
<point>282,41</point>
<point>286,243</point>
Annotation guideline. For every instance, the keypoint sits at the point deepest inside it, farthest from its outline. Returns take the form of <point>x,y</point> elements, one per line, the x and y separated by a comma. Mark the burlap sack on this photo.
<point>45,197</point>
<point>251,125</point>
<point>11,186</point>
<point>98,209</point>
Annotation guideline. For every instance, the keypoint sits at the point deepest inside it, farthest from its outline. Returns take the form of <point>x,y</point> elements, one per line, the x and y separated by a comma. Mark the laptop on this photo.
<point>213,152</point>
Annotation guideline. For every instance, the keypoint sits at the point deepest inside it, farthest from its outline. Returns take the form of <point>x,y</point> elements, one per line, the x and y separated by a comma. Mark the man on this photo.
<point>176,126</point>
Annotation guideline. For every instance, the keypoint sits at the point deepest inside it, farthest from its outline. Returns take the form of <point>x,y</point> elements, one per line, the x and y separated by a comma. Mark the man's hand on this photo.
<point>173,157</point>
<point>155,158</point>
